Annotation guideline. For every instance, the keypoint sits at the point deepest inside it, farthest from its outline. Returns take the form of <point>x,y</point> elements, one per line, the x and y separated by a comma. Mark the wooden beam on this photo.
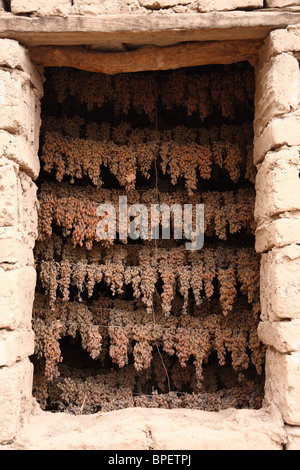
<point>146,57</point>
<point>137,30</point>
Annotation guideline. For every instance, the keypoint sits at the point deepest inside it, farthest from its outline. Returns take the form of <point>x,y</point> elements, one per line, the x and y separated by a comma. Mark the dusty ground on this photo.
<point>153,429</point>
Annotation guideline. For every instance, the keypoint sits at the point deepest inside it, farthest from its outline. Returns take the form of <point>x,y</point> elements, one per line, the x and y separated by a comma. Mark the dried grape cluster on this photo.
<point>65,319</point>
<point>199,93</point>
<point>74,210</point>
<point>83,392</point>
<point>190,154</point>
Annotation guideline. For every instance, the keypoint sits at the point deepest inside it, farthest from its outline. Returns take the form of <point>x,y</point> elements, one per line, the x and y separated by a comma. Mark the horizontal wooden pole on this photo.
<point>146,57</point>
<point>137,30</point>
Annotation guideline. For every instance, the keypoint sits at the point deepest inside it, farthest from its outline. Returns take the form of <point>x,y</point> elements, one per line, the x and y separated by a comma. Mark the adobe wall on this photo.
<point>20,94</point>
<point>277,213</point>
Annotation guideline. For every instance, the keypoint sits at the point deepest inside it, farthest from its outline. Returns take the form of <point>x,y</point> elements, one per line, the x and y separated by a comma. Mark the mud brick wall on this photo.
<point>20,93</point>
<point>277,213</point>
<point>96,7</point>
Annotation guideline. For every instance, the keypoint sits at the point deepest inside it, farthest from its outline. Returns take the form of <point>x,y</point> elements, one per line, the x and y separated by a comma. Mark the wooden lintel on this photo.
<point>137,30</point>
<point>146,57</point>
